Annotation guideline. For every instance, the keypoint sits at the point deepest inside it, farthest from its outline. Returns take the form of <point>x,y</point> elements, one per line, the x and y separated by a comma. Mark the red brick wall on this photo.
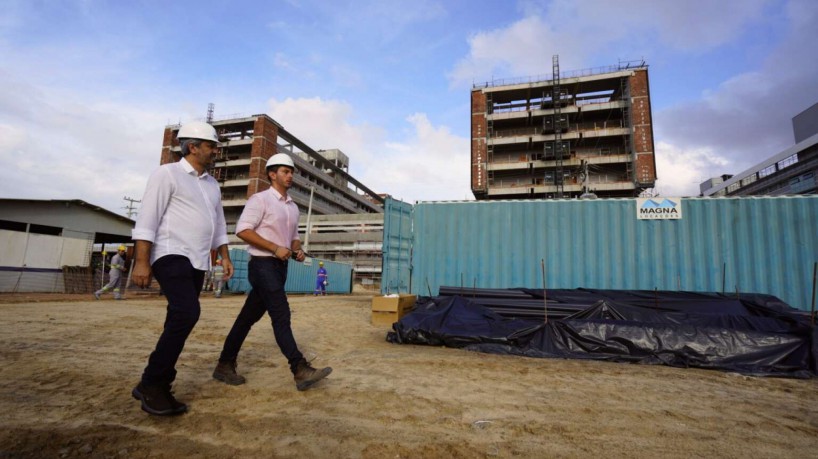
<point>642,138</point>
<point>265,137</point>
<point>479,129</point>
<point>168,142</point>
<point>639,83</point>
<point>642,128</point>
<point>258,176</point>
<point>645,169</point>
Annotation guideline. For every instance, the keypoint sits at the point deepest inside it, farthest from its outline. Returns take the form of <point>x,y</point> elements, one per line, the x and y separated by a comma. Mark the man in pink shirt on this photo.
<point>269,223</point>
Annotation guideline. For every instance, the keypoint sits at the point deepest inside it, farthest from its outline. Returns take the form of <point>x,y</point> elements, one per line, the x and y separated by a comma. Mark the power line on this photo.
<point>130,206</point>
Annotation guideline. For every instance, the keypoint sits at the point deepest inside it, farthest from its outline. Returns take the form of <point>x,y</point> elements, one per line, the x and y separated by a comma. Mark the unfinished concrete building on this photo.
<point>321,176</point>
<point>349,238</point>
<point>589,131</point>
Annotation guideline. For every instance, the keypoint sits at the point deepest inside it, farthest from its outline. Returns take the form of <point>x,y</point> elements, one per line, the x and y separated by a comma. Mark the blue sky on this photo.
<point>86,87</point>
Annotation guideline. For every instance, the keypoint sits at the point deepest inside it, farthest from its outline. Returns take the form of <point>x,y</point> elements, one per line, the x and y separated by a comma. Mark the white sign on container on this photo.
<point>659,208</point>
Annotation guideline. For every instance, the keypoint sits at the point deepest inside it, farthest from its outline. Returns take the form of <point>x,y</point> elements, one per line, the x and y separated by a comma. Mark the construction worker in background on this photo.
<point>322,280</point>
<point>180,221</point>
<point>269,223</point>
<point>115,279</point>
<point>218,278</point>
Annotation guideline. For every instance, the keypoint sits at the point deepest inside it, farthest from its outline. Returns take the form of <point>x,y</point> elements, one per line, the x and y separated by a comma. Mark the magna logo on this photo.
<point>658,208</point>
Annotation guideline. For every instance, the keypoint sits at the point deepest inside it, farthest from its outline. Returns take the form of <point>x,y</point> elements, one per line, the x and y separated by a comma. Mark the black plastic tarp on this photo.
<point>751,334</point>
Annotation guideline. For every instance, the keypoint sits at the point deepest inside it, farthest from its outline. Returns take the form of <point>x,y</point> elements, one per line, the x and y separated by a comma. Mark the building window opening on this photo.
<point>12,226</point>
<point>769,170</point>
<point>789,161</point>
<point>43,229</point>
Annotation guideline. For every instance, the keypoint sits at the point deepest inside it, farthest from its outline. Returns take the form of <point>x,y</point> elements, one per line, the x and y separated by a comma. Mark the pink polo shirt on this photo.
<point>273,217</point>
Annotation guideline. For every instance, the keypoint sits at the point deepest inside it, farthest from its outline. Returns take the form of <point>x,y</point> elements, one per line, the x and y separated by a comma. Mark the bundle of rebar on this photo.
<point>521,303</point>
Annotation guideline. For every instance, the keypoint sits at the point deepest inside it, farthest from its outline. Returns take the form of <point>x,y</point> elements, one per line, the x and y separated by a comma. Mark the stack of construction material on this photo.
<point>521,302</point>
<point>749,333</point>
<point>528,303</point>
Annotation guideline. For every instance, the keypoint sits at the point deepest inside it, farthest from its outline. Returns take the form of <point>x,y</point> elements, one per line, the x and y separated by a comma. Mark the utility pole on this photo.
<point>309,227</point>
<point>130,206</point>
<point>584,175</point>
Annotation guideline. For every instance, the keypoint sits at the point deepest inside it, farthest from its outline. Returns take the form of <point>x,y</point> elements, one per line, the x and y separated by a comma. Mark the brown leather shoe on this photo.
<point>226,373</point>
<point>158,400</point>
<point>306,375</point>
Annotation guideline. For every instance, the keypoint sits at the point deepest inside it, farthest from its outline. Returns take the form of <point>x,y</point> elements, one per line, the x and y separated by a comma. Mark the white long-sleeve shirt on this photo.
<point>181,214</point>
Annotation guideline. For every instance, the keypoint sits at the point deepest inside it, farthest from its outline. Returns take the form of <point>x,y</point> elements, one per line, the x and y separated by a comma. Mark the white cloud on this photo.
<point>76,147</point>
<point>324,124</point>
<point>523,49</point>
<point>430,163</point>
<point>691,25</point>
<point>680,171</point>
<point>747,118</point>
<point>12,139</point>
<point>593,32</point>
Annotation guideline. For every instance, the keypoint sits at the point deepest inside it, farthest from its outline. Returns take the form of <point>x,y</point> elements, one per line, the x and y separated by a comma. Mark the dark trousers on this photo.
<point>181,284</point>
<point>267,276</point>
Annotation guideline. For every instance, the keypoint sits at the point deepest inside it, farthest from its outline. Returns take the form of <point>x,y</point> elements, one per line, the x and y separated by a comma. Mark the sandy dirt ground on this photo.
<point>68,366</point>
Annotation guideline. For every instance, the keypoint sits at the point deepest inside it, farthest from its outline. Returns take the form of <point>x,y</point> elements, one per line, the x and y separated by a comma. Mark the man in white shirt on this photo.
<point>180,221</point>
<point>269,223</point>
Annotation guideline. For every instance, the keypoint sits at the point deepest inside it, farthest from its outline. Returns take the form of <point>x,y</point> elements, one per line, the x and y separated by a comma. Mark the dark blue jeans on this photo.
<point>181,284</point>
<point>267,276</point>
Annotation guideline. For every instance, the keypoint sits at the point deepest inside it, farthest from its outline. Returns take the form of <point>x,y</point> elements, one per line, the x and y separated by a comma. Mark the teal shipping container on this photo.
<point>751,244</point>
<point>301,277</point>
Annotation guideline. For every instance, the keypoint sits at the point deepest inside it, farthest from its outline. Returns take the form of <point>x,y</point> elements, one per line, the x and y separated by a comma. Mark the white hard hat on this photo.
<point>280,159</point>
<point>198,130</point>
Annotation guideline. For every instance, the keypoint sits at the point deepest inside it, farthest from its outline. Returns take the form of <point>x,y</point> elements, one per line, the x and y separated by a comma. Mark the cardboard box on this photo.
<point>393,303</point>
<point>388,310</point>
<point>384,318</point>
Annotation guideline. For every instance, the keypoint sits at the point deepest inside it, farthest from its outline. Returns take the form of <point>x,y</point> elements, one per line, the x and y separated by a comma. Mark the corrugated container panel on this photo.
<point>755,244</point>
<point>301,278</point>
<point>397,246</point>
<point>238,282</point>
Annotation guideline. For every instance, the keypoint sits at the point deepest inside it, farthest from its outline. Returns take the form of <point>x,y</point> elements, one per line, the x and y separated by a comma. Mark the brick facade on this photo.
<point>479,128</point>
<point>642,128</point>
<point>168,142</point>
<point>265,137</point>
<point>603,118</point>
